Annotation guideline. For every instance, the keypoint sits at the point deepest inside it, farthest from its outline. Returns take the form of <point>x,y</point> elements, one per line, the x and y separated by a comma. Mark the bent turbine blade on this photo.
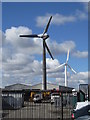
<point>72,69</point>
<point>31,36</point>
<point>46,29</point>
<point>49,51</point>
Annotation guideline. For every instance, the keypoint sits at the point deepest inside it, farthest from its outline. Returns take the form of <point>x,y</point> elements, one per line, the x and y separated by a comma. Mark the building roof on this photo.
<point>17,86</point>
<point>65,89</point>
<point>49,86</point>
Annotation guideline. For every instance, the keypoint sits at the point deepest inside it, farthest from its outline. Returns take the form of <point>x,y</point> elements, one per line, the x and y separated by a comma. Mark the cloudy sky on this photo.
<point>22,57</point>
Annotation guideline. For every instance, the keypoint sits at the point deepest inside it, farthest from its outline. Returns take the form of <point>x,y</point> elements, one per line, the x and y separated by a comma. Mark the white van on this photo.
<point>54,96</point>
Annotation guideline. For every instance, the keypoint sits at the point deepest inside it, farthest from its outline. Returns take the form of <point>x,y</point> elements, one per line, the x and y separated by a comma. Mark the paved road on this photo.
<point>37,110</point>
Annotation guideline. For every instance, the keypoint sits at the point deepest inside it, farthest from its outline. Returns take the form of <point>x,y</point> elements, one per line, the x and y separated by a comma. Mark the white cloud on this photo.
<point>74,79</point>
<point>58,48</point>
<point>52,64</point>
<point>12,36</point>
<point>14,32</point>
<point>19,62</point>
<point>21,68</point>
<point>60,81</point>
<point>24,45</point>
<point>78,54</point>
<point>79,78</point>
<point>59,19</point>
<point>34,46</point>
<point>81,15</point>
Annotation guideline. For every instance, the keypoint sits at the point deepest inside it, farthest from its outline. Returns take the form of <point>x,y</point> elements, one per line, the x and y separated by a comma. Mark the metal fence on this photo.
<point>16,106</point>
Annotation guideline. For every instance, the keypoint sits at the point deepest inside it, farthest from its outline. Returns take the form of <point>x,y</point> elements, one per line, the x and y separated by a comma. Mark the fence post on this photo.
<point>62,105</point>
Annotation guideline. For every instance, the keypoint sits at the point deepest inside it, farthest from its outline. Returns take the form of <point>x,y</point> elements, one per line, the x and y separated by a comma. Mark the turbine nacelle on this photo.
<point>43,36</point>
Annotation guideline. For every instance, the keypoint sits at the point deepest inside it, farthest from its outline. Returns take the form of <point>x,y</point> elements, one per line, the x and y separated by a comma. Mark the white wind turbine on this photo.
<point>65,65</point>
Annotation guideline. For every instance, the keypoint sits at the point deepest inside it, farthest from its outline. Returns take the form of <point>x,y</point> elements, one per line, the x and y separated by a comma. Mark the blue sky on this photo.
<point>73,26</point>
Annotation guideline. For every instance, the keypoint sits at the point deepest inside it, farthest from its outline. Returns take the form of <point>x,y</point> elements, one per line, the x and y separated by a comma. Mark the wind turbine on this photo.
<point>44,36</point>
<point>65,65</point>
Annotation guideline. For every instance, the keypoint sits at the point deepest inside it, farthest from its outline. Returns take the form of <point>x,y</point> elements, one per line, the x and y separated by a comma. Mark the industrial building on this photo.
<point>49,86</point>
<point>18,93</point>
<point>12,99</point>
<point>17,86</point>
<point>38,86</point>
<point>84,89</point>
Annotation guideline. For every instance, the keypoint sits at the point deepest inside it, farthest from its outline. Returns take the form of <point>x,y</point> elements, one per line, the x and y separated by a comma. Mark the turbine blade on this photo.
<point>31,36</point>
<point>60,66</point>
<point>72,69</point>
<point>67,56</point>
<point>49,51</point>
<point>46,29</point>
<point>57,68</point>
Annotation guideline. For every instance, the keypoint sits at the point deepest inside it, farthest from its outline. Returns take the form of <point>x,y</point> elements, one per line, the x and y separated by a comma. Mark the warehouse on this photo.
<point>49,86</point>
<point>12,99</point>
<point>17,86</point>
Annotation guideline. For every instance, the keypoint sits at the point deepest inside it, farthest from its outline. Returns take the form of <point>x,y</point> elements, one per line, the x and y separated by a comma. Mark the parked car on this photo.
<point>38,98</point>
<point>81,111</point>
<point>86,117</point>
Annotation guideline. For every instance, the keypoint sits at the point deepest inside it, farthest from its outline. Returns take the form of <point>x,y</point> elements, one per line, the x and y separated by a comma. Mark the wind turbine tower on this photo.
<point>66,68</point>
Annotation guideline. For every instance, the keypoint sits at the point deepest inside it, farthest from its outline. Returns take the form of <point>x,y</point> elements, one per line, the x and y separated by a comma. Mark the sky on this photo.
<point>45,0</point>
<point>22,57</point>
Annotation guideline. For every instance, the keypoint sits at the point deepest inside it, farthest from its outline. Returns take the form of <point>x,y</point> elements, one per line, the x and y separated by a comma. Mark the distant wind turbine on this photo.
<point>65,65</point>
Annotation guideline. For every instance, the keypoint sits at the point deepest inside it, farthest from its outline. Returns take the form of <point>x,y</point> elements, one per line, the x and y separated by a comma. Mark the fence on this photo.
<point>18,107</point>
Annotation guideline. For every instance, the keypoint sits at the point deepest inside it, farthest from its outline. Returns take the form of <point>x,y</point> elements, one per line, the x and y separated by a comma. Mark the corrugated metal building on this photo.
<point>63,88</point>
<point>12,99</point>
<point>38,86</point>
<point>49,86</point>
<point>84,88</point>
<point>17,86</point>
<point>13,96</point>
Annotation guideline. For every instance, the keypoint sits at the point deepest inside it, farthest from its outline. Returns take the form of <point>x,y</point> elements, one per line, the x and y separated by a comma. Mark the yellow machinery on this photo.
<point>45,94</point>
